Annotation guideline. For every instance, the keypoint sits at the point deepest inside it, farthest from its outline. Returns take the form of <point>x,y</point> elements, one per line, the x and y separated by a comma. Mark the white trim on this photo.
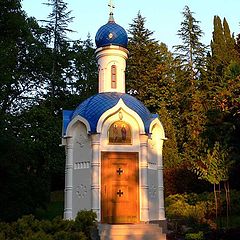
<point>75,120</point>
<point>98,50</point>
<point>116,108</point>
<point>96,175</point>
<point>68,190</point>
<point>143,179</point>
<point>157,122</point>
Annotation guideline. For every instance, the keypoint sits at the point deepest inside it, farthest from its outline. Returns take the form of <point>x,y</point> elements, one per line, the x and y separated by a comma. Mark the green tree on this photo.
<point>151,78</point>
<point>22,61</point>
<point>150,67</point>
<point>56,34</point>
<point>215,168</point>
<point>40,129</point>
<point>24,178</point>
<point>85,70</point>
<point>191,56</point>
<point>223,90</point>
<point>30,124</point>
<point>225,64</point>
<point>171,157</point>
<point>192,52</point>
<point>223,46</point>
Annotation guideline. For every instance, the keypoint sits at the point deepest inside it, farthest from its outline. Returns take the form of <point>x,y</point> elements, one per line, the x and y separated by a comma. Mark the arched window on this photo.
<point>120,133</point>
<point>113,76</point>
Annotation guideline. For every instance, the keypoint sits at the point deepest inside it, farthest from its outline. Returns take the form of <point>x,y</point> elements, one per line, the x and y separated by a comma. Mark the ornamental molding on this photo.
<point>82,165</point>
<point>81,191</point>
<point>153,191</point>
<point>82,140</point>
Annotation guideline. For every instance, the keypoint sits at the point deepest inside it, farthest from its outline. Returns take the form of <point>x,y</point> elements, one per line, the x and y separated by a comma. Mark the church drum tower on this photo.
<point>114,150</point>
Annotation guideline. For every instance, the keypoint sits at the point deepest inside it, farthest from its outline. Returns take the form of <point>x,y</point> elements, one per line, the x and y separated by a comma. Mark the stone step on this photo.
<point>131,232</point>
<point>136,237</point>
<point>129,226</point>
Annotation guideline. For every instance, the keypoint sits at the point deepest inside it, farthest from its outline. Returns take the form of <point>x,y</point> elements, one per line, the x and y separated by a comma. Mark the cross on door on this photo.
<point>119,193</point>
<point>120,171</point>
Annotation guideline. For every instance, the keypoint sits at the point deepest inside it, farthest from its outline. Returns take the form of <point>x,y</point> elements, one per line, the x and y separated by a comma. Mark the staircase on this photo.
<point>131,232</point>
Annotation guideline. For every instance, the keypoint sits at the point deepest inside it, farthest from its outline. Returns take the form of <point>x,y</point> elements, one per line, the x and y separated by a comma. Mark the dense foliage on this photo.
<point>194,89</point>
<point>30,228</point>
<point>191,216</point>
<point>42,72</point>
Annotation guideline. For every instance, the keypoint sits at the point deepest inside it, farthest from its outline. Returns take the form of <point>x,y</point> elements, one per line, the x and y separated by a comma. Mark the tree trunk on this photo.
<point>227,195</point>
<point>216,201</point>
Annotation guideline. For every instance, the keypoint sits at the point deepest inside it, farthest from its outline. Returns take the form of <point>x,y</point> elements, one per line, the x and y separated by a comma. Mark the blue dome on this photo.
<point>93,108</point>
<point>111,34</point>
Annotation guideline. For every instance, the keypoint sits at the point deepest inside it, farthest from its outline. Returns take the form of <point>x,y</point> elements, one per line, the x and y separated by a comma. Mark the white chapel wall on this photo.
<point>155,182</point>
<point>82,155</point>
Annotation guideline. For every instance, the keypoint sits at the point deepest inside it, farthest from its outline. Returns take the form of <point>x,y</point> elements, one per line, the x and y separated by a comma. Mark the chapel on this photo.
<point>114,151</point>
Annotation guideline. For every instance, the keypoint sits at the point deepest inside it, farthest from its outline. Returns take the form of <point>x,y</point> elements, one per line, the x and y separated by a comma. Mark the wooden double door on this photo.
<point>119,187</point>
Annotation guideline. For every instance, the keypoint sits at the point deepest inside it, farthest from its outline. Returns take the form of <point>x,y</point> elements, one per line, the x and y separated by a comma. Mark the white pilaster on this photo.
<point>95,187</point>
<point>144,206</point>
<point>68,179</point>
<point>160,184</point>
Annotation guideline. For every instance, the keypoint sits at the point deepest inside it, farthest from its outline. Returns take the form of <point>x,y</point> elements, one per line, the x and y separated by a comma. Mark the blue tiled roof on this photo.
<point>67,117</point>
<point>111,34</point>
<point>92,108</point>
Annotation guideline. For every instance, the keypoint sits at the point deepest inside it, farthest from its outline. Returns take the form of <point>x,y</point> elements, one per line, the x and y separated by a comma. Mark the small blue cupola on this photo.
<point>111,34</point>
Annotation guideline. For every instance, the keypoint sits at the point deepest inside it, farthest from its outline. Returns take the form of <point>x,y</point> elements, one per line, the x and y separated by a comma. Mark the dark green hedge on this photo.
<point>30,228</point>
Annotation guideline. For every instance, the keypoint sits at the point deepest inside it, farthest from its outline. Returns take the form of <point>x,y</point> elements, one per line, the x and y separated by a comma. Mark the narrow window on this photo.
<point>114,76</point>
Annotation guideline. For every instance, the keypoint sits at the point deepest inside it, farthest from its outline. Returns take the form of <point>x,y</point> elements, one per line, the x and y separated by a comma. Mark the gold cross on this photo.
<point>111,6</point>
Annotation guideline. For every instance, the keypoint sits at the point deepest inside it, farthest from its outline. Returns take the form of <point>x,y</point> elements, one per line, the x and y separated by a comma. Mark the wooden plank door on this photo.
<point>119,187</point>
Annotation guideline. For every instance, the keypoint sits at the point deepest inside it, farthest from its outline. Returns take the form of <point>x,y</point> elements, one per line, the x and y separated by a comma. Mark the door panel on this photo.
<point>119,191</point>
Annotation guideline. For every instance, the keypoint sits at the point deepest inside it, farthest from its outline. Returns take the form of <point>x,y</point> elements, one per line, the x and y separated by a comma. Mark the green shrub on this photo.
<point>39,236</point>
<point>69,236</point>
<point>194,211</point>
<point>195,236</point>
<point>29,228</point>
<point>85,222</point>
<point>186,207</point>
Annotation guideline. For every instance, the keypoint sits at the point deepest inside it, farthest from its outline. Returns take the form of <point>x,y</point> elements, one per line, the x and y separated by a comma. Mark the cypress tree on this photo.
<point>223,47</point>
